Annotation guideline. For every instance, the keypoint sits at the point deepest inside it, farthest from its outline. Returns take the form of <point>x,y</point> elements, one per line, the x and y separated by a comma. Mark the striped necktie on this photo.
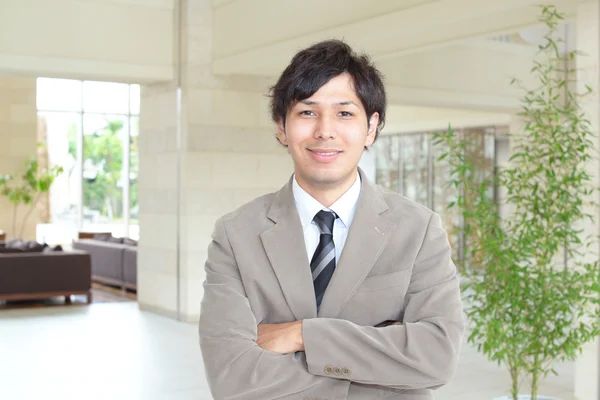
<point>322,264</point>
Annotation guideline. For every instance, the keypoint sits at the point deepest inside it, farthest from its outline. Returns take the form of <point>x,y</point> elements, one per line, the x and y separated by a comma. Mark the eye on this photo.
<point>306,112</point>
<point>345,114</point>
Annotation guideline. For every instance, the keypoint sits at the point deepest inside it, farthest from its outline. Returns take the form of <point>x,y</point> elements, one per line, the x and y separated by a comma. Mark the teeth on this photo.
<point>327,154</point>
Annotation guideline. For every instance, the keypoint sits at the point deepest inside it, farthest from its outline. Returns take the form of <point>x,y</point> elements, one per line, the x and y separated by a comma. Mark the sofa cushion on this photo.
<point>101,236</point>
<point>130,242</point>
<point>50,249</point>
<point>29,246</point>
<point>13,242</point>
<point>35,247</point>
<point>113,239</point>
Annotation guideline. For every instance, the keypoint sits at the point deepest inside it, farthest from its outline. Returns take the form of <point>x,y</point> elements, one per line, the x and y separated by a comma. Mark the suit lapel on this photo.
<point>367,237</point>
<point>286,250</point>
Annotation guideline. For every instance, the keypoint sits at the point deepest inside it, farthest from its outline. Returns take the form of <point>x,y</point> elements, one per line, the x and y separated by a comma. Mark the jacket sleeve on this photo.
<point>235,366</point>
<point>420,353</point>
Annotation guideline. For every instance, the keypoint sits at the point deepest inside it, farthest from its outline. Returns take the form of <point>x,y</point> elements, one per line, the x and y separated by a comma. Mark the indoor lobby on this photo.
<point>151,120</point>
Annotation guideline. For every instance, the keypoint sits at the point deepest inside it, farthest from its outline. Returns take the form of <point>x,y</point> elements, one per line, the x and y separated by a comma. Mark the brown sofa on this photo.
<point>36,275</point>
<point>112,263</point>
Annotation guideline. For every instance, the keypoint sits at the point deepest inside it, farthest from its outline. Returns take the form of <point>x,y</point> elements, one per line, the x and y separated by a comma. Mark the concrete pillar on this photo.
<point>18,137</point>
<point>227,155</point>
<point>587,371</point>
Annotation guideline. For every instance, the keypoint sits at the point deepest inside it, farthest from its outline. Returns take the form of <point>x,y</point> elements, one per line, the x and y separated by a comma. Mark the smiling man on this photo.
<point>332,287</point>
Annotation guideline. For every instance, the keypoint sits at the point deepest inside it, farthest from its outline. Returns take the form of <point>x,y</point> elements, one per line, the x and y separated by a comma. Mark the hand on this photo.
<point>281,338</point>
<point>388,323</point>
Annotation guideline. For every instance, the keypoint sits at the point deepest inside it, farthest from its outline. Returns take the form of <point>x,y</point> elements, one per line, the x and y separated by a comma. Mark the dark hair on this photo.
<point>314,66</point>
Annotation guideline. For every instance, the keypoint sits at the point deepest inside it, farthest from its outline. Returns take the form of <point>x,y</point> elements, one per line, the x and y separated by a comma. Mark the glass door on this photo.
<point>387,172</point>
<point>103,137</point>
<point>415,160</point>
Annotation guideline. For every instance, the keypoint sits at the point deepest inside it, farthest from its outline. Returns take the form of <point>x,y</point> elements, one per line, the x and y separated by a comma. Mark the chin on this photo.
<point>327,177</point>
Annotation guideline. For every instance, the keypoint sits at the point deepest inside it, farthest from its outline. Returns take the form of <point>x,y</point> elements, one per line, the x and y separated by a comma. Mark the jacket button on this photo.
<point>345,372</point>
<point>328,370</point>
<point>337,371</point>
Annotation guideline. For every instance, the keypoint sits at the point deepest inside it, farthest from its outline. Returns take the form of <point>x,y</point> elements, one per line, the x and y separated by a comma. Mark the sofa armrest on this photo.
<point>130,267</point>
<point>107,258</point>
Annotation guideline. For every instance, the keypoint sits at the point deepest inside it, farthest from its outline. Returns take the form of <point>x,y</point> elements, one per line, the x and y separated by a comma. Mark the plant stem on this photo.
<point>14,224</point>
<point>534,386</point>
<point>33,204</point>
<point>514,375</point>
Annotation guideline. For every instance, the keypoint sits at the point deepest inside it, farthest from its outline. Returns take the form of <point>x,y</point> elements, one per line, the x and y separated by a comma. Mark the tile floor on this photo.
<point>115,351</point>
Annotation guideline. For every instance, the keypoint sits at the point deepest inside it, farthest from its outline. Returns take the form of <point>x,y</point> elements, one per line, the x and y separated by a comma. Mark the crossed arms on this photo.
<point>246,361</point>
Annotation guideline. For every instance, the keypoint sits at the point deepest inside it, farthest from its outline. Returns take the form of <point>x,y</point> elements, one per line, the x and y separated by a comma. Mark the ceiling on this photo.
<point>438,53</point>
<point>258,37</point>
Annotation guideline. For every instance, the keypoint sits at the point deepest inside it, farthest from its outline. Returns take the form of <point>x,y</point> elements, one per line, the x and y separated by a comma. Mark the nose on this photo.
<point>325,128</point>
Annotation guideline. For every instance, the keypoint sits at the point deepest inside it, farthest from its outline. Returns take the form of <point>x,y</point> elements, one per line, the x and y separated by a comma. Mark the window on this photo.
<point>407,164</point>
<point>91,131</point>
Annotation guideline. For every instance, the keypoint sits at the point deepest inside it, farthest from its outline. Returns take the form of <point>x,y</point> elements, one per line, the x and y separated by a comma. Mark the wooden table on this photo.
<point>90,235</point>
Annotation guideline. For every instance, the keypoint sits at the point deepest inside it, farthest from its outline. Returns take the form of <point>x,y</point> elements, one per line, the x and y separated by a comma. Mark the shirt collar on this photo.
<point>308,206</point>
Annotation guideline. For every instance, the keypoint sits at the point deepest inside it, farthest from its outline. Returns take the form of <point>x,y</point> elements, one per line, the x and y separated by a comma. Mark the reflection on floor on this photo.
<point>100,294</point>
<point>115,351</point>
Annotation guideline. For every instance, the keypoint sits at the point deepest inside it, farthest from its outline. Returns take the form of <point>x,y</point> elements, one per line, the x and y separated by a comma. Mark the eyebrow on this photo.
<point>312,103</point>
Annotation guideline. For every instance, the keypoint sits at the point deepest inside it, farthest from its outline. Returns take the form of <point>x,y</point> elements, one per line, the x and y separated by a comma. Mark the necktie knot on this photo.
<point>324,220</point>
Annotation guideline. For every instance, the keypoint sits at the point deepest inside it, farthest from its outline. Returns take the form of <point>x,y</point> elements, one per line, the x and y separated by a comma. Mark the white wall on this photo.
<point>113,40</point>
<point>401,119</point>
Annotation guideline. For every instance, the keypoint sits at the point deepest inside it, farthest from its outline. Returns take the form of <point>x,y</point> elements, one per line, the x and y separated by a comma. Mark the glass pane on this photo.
<point>481,155</point>
<point>62,132</point>
<point>414,151</point>
<point>133,179</point>
<point>387,173</point>
<point>102,169</point>
<point>58,94</point>
<point>481,152</point>
<point>490,148</point>
<point>134,99</point>
<point>443,194</point>
<point>106,97</point>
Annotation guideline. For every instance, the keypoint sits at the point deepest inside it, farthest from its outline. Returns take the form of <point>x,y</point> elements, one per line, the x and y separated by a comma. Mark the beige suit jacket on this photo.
<point>395,265</point>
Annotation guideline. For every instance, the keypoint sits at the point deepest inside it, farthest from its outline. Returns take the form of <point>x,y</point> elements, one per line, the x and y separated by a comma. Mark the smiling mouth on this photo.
<point>325,153</point>
<point>324,156</point>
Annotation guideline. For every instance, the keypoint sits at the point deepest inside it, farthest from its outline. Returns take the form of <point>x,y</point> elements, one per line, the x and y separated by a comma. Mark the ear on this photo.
<point>281,135</point>
<point>372,132</point>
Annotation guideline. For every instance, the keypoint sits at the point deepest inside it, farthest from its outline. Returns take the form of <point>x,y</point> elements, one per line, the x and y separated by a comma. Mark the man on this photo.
<point>332,287</point>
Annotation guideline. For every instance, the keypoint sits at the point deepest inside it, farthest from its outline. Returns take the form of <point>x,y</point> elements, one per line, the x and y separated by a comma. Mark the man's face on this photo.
<point>326,134</point>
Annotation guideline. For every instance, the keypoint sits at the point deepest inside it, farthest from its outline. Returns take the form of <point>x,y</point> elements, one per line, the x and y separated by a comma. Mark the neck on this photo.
<point>325,193</point>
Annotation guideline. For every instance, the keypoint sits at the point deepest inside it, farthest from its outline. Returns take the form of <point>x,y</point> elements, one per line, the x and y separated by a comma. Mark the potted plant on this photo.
<point>27,190</point>
<point>531,295</point>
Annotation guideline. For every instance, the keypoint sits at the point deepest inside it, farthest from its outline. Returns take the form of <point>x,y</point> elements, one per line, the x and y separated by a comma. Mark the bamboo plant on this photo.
<point>532,277</point>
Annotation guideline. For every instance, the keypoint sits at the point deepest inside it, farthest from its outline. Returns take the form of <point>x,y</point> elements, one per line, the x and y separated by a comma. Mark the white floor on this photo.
<point>114,351</point>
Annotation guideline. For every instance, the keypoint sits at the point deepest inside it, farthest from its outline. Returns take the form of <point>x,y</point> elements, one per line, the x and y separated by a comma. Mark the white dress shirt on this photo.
<point>308,207</point>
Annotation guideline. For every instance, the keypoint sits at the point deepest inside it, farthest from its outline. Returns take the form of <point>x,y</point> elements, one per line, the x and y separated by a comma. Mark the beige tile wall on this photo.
<point>229,156</point>
<point>18,133</point>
